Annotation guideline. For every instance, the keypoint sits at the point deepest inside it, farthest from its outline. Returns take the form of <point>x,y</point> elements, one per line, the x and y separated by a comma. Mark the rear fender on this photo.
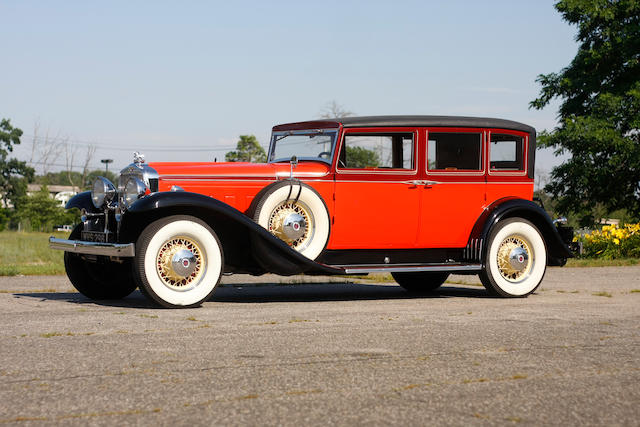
<point>558,251</point>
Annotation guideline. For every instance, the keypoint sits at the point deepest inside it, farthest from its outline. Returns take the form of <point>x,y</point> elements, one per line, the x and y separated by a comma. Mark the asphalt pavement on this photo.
<point>317,350</point>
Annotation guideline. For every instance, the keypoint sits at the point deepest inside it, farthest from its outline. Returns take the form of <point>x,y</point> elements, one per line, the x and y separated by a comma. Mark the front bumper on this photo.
<point>93,248</point>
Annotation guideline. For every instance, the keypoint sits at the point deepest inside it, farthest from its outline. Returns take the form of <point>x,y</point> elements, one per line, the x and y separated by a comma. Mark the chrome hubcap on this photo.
<point>183,263</point>
<point>294,226</point>
<point>180,263</point>
<point>292,222</point>
<point>514,258</point>
<point>518,259</point>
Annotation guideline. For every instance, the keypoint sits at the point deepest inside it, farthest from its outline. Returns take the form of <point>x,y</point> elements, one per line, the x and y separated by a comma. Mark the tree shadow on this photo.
<point>277,292</point>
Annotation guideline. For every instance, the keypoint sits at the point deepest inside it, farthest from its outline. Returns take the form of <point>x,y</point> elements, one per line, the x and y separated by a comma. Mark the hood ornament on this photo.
<point>138,158</point>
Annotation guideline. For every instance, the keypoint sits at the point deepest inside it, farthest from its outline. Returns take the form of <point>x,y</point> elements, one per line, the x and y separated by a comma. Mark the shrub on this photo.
<point>611,242</point>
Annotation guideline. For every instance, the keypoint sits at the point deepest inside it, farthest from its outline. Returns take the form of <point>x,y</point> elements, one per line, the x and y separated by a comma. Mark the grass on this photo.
<point>598,262</point>
<point>29,254</point>
<point>602,294</point>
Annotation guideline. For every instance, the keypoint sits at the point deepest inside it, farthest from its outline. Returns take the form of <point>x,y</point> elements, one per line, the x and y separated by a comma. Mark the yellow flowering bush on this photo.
<point>611,242</point>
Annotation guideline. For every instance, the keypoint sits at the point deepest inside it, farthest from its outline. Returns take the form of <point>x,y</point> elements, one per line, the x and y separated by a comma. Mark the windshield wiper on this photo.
<point>291,132</point>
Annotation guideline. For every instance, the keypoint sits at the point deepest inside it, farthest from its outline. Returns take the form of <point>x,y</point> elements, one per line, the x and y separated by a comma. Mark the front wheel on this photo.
<point>99,280</point>
<point>179,261</point>
<point>515,260</point>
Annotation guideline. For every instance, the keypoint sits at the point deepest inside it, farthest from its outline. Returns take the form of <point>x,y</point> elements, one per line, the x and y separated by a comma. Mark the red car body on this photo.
<point>419,196</point>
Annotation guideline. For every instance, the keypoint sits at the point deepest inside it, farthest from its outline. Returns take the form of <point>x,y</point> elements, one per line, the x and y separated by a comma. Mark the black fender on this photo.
<point>247,246</point>
<point>82,201</point>
<point>509,207</point>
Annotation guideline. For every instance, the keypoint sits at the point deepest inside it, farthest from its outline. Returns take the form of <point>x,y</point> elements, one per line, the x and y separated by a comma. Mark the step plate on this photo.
<point>408,268</point>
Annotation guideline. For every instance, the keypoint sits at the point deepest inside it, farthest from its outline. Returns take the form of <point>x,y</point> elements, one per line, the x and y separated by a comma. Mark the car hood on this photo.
<point>172,170</point>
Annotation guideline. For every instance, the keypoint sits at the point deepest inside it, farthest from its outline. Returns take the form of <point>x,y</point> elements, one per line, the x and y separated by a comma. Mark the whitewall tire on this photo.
<point>179,261</point>
<point>515,260</point>
<point>295,213</point>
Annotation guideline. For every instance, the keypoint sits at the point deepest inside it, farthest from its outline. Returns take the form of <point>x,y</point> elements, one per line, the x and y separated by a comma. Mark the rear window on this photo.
<point>506,152</point>
<point>450,151</point>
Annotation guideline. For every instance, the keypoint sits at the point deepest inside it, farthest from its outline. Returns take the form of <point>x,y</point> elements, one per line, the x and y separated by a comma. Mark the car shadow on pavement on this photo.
<point>275,292</point>
<point>135,300</point>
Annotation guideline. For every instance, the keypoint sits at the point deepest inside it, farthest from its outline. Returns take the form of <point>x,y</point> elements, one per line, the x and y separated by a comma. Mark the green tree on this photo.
<point>58,178</point>
<point>600,110</point>
<point>41,211</point>
<point>248,149</point>
<point>360,157</point>
<point>14,174</point>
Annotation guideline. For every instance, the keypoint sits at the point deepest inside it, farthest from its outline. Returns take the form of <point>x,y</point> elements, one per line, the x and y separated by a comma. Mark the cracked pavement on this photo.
<point>326,351</point>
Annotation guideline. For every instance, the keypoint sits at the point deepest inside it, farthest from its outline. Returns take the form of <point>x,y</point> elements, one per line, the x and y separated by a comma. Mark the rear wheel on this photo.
<point>99,280</point>
<point>179,261</point>
<point>422,281</point>
<point>515,260</point>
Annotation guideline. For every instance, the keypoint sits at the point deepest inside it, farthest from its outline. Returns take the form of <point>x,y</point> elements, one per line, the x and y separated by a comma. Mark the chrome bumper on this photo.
<point>93,248</point>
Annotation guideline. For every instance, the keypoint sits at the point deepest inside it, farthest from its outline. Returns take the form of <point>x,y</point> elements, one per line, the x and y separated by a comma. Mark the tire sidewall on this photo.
<point>526,230</point>
<point>283,191</point>
<point>149,244</point>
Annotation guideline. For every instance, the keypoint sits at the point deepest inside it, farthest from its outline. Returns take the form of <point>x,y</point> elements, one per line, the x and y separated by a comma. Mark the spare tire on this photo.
<point>295,213</point>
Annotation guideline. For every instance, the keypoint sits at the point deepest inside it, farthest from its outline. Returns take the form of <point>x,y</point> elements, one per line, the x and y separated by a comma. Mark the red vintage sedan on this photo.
<point>417,196</point>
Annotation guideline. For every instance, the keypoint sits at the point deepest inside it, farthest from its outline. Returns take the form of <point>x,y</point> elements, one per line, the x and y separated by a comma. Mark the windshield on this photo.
<point>305,145</point>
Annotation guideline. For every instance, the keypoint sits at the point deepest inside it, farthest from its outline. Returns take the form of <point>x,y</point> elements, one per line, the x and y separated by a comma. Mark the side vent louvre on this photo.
<point>473,251</point>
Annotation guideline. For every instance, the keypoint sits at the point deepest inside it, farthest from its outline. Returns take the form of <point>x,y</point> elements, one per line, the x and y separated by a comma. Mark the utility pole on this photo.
<point>106,165</point>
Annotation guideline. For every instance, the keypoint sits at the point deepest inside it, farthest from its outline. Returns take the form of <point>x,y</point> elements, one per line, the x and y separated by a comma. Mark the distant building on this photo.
<point>62,193</point>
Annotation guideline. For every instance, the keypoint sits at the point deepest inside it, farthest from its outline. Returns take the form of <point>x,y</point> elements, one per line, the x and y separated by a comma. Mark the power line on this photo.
<point>117,147</point>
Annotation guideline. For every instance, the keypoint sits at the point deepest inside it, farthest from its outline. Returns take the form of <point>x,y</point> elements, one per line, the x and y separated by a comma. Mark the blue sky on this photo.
<point>192,76</point>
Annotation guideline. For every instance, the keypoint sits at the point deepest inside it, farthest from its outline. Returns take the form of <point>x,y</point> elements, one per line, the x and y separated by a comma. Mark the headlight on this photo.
<point>133,190</point>
<point>103,192</point>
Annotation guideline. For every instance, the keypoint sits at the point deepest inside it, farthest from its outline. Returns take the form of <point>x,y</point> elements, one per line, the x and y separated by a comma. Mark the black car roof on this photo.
<point>391,121</point>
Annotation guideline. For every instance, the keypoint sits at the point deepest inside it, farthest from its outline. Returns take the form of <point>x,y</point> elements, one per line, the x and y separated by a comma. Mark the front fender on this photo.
<point>246,244</point>
<point>514,207</point>
<point>82,201</point>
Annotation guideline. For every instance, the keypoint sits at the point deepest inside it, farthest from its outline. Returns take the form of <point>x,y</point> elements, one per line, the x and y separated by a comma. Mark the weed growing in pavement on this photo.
<point>602,294</point>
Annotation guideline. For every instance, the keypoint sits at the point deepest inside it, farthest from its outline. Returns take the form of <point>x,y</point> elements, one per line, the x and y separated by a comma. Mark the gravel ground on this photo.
<point>315,351</point>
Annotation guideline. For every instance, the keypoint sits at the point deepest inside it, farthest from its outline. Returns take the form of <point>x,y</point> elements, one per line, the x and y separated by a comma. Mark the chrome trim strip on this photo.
<point>377,268</point>
<point>93,248</point>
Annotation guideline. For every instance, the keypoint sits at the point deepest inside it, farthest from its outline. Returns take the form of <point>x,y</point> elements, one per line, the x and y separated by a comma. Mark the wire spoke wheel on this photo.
<point>514,258</point>
<point>292,221</point>
<point>180,263</point>
<point>295,213</point>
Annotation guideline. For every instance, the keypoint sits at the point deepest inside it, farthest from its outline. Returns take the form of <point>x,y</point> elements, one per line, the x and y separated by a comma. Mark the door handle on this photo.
<point>417,182</point>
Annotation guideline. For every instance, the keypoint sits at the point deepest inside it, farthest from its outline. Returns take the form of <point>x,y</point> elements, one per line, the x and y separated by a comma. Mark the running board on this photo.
<point>407,268</point>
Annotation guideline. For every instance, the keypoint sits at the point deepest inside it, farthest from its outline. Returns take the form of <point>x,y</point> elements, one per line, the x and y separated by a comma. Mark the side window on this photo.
<point>506,152</point>
<point>392,151</point>
<point>450,151</point>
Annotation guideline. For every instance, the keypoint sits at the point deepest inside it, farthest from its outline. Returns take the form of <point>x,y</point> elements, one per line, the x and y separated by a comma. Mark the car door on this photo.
<point>377,200</point>
<point>454,192</point>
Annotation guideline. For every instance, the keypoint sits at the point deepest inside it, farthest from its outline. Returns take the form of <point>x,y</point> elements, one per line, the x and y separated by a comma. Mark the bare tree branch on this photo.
<point>333,110</point>
<point>91,150</point>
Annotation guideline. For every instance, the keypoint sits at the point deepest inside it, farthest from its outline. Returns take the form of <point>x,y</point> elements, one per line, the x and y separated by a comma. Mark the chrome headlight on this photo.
<point>133,190</point>
<point>103,192</point>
